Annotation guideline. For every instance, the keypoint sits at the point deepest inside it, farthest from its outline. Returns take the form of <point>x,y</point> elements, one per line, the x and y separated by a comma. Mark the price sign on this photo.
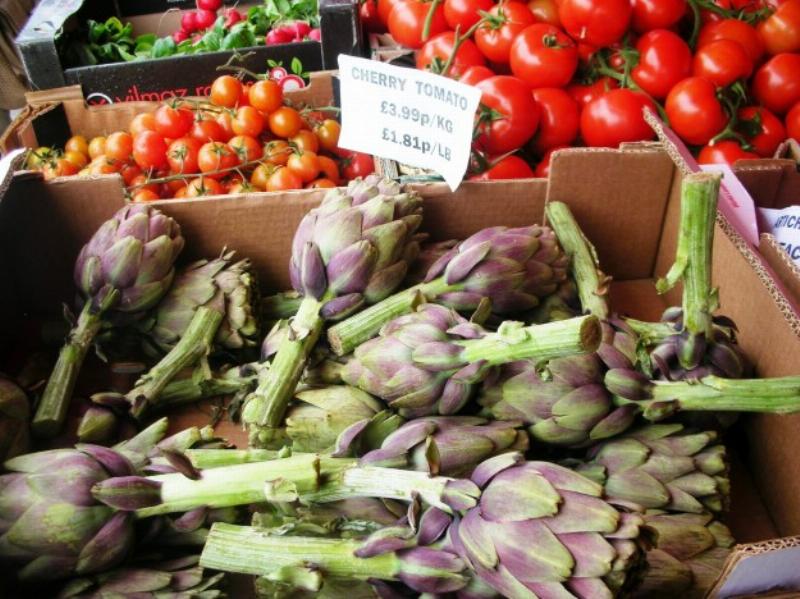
<point>411,116</point>
<point>785,227</point>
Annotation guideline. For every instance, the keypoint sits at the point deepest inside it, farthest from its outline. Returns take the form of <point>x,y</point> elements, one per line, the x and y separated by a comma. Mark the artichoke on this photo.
<point>430,361</point>
<point>14,414</point>
<point>513,268</point>
<point>353,249</point>
<point>125,268</point>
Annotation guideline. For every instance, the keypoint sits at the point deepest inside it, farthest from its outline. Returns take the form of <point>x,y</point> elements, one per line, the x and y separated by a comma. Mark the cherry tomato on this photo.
<point>726,151</point>
<point>328,135</point>
<point>225,120</point>
<point>509,167</point>
<point>304,164</point>
<point>560,119</point>
<point>140,182</point>
<point>597,23</point>
<point>737,31</point>
<point>144,121</point>
<point>437,50</point>
<point>285,122</point>
<point>103,166</point>
<point>77,158</point>
<point>656,14</point>
<point>464,13</point>
<point>506,21</point>
<point>173,122</point>
<point>128,171</point>
<point>357,164</point>
<point>305,140</point>
<point>240,187</point>
<point>512,116</point>
<point>77,143</point>
<point>369,17</point>
<point>260,176</point>
<point>119,145</point>
<point>181,192</point>
<point>59,167</point>
<point>385,8</point>
<point>248,121</point>
<point>763,130</point>
<point>585,93</point>
<point>182,155</point>
<point>145,195</point>
<point>266,96</point>
<point>149,150</point>
<point>328,168</point>
<point>321,183</point>
<point>246,148</point>
<point>694,112</point>
<point>614,118</point>
<point>277,152</point>
<point>204,186</point>
<point>97,147</point>
<point>545,11</point>
<point>664,60</point>
<point>206,129</point>
<point>793,122</point>
<point>543,56</point>
<point>542,169</point>
<point>780,32</point>
<point>215,159</point>
<point>283,179</point>
<point>776,84</point>
<point>407,21</point>
<point>722,62</point>
<point>226,91</point>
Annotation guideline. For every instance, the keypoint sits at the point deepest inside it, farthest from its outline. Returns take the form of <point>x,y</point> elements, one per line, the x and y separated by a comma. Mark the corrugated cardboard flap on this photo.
<point>766,569</point>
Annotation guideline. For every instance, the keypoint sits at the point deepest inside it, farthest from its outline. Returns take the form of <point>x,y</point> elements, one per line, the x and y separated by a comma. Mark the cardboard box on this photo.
<point>178,75</point>
<point>627,201</point>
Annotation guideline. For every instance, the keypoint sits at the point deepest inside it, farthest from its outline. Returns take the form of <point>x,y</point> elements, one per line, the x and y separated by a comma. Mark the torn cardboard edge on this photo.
<point>765,569</point>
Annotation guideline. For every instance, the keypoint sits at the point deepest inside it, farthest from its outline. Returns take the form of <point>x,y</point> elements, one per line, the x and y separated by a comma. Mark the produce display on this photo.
<point>724,74</point>
<point>245,137</point>
<point>452,419</point>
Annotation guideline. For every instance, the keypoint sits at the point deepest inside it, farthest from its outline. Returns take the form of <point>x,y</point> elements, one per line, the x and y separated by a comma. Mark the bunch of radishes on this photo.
<point>195,22</point>
<point>296,31</point>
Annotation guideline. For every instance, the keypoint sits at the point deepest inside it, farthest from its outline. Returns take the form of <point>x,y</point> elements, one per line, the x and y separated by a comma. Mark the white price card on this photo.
<point>411,116</point>
<point>785,227</point>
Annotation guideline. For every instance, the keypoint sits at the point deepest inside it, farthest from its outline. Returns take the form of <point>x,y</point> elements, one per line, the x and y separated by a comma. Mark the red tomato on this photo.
<point>357,164</point>
<point>407,20</point>
<point>776,84</point>
<point>226,91</point>
<point>172,122</point>
<point>513,114</point>
<point>283,179</point>
<point>266,96</point>
<point>149,150</point>
<point>145,195</point>
<point>726,151</point>
<point>694,112</point>
<point>614,118</point>
<point>793,122</point>
<point>664,60</point>
<point>246,148</point>
<point>736,30</point>
<point>560,120</point>
<point>144,121</point>
<point>585,93</point>
<point>304,164</point>
<point>385,8</point>
<point>437,50</point>
<point>763,130</point>
<point>248,121</point>
<point>507,20</point>
<point>369,17</point>
<point>464,13</point>
<point>216,159</point>
<point>781,31</point>
<point>545,11</point>
<point>656,14</point>
<point>543,56</point>
<point>598,23</point>
<point>205,130</point>
<point>285,122</point>
<point>474,75</point>
<point>722,62</point>
<point>203,186</point>
<point>510,167</point>
<point>542,169</point>
<point>119,146</point>
<point>182,155</point>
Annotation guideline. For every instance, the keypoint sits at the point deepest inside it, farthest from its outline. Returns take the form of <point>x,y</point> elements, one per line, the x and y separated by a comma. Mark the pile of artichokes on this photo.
<point>460,419</point>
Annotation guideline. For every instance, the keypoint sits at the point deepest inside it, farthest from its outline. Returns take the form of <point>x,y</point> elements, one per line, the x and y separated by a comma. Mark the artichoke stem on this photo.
<point>266,407</point>
<point>280,306</point>
<point>650,333</point>
<point>52,410</point>
<point>345,336</point>
<point>196,387</point>
<point>540,342</point>
<point>214,458</point>
<point>195,343</point>
<point>592,283</point>
<point>779,395</point>
<point>249,550</point>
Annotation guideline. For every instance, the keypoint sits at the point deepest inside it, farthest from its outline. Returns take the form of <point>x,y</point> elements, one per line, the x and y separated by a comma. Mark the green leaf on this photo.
<point>164,46</point>
<point>146,38</point>
<point>211,41</point>
<point>126,56</point>
<point>96,31</point>
<point>296,66</point>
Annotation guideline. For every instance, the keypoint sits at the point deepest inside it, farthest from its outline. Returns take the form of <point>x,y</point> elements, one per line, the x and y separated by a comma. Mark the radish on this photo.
<point>232,16</point>
<point>279,35</point>
<point>180,36</point>
<point>212,5</point>
<point>189,21</point>
<point>278,73</point>
<point>315,34</point>
<point>205,19</point>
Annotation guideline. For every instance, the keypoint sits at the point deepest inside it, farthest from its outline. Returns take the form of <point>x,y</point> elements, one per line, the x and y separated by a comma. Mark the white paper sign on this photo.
<point>785,227</point>
<point>411,116</point>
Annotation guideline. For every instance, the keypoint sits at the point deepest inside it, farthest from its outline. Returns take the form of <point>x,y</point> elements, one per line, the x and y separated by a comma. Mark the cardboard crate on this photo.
<point>177,75</point>
<point>627,202</point>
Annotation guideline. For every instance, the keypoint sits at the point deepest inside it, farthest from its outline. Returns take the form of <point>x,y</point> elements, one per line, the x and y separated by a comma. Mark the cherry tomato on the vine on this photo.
<point>305,140</point>
<point>464,13</point>
<point>215,159</point>
<point>285,122</point>
<point>144,121</point>
<point>357,164</point>
<point>204,186</point>
<point>77,143</point>
<point>149,150</point>
<point>726,151</point>
<point>407,20</point>
<point>173,122</point>
<point>437,50</point>
<point>226,91</point>
<point>182,155</point>
<point>385,8</point>
<point>737,31</point>
<point>664,60</point>
<point>776,84</point>
<point>560,120</point>
<point>328,168</point>
<point>266,96</point>
<point>277,152</point>
<point>508,167</point>
<point>614,118</point>
<point>585,93</point>
<point>597,23</point>
<point>793,122</point>
<point>694,111</point>
<point>328,135</point>
<point>304,164</point>
<point>542,169</point>
<point>369,17</point>
<point>248,121</point>
<point>763,130</point>
<point>283,179</point>
<point>780,32</point>
<point>246,148</point>
<point>509,115</point>
<point>543,56</point>
<point>207,129</point>
<point>722,62</point>
<point>506,21</point>
<point>119,145</point>
<point>656,14</point>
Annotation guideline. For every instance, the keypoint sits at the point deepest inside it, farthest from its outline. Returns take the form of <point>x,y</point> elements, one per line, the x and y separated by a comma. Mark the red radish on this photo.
<point>315,34</point>
<point>232,16</point>
<point>189,21</point>
<point>300,29</point>
<point>278,36</point>
<point>278,73</point>
<point>212,5</point>
<point>205,19</point>
<point>290,82</point>
<point>180,36</point>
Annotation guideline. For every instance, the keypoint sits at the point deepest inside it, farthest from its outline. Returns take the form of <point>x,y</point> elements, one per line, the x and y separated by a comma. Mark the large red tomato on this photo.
<point>587,92</point>
<point>781,31</point>
<point>438,49</point>
<point>509,114</point>
<point>694,112</point>
<point>736,30</point>
<point>762,129</point>
<point>656,14</point>
<point>616,117</point>
<point>510,167</point>
<point>370,19</point>
<point>465,13</point>
<point>407,21</point>
<point>543,56</point>
<point>726,151</point>
<point>560,120</point>
<point>776,84</point>
<point>664,60</point>
<point>722,62</point>
<point>506,21</point>
<point>596,22</point>
<point>474,75</point>
<point>793,122</point>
